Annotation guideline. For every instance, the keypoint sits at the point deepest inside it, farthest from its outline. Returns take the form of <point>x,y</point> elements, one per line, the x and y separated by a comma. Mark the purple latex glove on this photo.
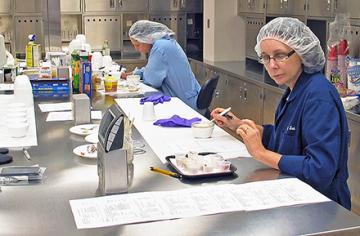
<point>176,121</point>
<point>155,99</point>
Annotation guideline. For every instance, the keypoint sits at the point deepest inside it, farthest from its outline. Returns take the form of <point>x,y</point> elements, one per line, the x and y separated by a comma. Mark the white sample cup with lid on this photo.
<point>148,111</point>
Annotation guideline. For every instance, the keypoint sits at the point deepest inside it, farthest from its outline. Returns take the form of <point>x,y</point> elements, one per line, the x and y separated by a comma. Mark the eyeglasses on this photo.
<point>279,57</point>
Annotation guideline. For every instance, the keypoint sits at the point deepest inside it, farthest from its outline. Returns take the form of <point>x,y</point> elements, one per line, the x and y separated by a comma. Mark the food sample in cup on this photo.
<point>110,84</point>
<point>133,82</point>
<point>202,129</point>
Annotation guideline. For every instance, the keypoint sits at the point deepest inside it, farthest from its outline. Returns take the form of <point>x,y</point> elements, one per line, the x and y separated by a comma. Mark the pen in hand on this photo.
<point>225,114</point>
<point>165,172</point>
<point>26,154</point>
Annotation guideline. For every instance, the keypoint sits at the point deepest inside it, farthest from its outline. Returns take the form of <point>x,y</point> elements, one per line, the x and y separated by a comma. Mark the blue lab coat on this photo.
<point>311,133</point>
<point>168,70</point>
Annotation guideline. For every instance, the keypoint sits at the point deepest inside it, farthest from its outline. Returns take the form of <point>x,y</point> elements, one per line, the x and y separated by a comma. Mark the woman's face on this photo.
<point>283,69</point>
<point>141,47</point>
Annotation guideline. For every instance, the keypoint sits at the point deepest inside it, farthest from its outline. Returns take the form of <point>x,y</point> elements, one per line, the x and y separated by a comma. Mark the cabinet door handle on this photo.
<point>112,3</point>
<point>183,4</point>
<point>328,5</point>
<point>120,3</point>
<point>245,94</point>
<point>175,3</point>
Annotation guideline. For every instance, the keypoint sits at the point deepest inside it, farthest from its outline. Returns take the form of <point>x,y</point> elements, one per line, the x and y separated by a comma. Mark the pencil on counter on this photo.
<point>165,172</point>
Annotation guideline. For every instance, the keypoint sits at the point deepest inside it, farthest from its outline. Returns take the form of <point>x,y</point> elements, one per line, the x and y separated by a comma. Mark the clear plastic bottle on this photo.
<point>106,48</point>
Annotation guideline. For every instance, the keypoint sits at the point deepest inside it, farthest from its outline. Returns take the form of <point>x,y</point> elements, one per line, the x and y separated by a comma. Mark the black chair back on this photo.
<point>206,94</point>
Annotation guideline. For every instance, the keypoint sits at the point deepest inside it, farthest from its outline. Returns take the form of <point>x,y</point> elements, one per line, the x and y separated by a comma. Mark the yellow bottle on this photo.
<point>33,52</point>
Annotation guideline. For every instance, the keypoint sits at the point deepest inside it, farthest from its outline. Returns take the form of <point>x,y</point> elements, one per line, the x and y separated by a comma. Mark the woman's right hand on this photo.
<point>124,75</point>
<point>223,121</point>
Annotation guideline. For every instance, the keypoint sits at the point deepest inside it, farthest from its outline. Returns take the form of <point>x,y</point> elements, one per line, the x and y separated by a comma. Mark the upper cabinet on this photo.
<point>28,6</point>
<point>132,6</point>
<point>251,6</point>
<point>319,8</point>
<point>348,6</point>
<point>70,6</point>
<point>286,7</point>
<point>298,7</point>
<point>194,6</point>
<point>5,7</point>
<point>165,5</point>
<point>99,5</point>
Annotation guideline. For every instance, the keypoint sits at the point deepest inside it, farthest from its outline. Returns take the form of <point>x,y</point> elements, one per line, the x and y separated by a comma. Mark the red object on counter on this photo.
<point>343,48</point>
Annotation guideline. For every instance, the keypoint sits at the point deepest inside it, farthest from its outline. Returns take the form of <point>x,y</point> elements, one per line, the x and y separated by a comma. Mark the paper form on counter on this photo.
<point>196,201</point>
<point>67,115</point>
<point>62,106</point>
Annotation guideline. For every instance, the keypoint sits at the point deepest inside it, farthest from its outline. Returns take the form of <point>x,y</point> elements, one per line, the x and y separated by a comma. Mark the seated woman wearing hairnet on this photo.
<point>310,137</point>
<point>168,68</point>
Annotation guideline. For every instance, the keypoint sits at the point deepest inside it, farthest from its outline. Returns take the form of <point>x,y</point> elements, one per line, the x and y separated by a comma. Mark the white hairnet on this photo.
<point>297,36</point>
<point>146,31</point>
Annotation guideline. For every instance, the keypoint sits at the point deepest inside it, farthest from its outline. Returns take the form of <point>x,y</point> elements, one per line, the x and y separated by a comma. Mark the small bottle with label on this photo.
<point>106,48</point>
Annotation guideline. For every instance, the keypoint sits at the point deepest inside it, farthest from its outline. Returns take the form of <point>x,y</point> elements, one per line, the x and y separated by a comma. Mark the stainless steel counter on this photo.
<point>44,209</point>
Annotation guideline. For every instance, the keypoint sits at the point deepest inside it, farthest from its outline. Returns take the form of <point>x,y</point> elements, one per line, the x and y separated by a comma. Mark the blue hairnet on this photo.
<point>148,32</point>
<point>297,36</point>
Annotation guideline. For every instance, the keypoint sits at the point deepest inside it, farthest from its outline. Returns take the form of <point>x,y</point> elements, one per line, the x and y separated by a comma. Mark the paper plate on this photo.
<point>92,138</point>
<point>85,129</point>
<point>85,151</point>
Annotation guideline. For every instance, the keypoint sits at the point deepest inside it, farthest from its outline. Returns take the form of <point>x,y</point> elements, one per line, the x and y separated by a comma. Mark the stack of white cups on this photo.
<point>17,112</point>
<point>17,119</point>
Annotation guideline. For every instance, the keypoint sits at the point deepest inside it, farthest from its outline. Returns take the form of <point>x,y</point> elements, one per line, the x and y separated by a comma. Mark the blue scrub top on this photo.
<point>311,133</point>
<point>168,70</point>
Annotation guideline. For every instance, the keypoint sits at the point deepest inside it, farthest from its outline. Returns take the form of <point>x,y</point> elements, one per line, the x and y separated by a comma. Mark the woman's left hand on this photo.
<point>252,137</point>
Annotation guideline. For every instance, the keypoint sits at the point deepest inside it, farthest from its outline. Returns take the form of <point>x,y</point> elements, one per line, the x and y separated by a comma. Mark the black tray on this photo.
<point>171,158</point>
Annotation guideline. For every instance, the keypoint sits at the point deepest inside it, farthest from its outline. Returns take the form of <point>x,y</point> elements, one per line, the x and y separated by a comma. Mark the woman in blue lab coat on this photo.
<point>168,68</point>
<point>309,138</point>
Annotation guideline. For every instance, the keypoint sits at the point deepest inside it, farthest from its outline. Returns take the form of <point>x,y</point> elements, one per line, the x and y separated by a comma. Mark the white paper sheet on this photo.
<point>196,201</point>
<point>6,87</point>
<point>179,140</point>
<point>62,106</point>
<point>67,115</point>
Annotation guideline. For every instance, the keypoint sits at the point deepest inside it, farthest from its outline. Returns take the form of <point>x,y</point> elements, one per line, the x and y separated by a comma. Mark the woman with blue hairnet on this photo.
<point>168,68</point>
<point>310,137</point>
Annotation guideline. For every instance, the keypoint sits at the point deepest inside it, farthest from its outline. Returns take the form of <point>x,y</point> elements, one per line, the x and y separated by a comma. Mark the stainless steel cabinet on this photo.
<point>99,5</point>
<point>133,6</point>
<point>28,6</point>
<point>319,8</point>
<point>251,6</point>
<point>253,25</point>
<point>277,7</point>
<point>164,5</point>
<point>349,6</point>
<point>193,6</point>
<point>271,101</point>
<point>244,97</point>
<point>298,7</point>
<point>286,7</point>
<point>25,25</point>
<point>100,28</point>
<point>354,165</point>
<point>252,103</point>
<point>5,6</point>
<point>176,22</point>
<point>70,6</point>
